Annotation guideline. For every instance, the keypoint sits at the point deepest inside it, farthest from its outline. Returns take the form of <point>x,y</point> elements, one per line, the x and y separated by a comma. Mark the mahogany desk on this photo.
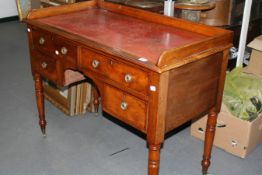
<point>152,72</point>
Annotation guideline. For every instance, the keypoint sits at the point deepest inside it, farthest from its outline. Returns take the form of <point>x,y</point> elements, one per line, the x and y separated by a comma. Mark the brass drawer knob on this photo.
<point>95,63</point>
<point>124,105</point>
<point>128,78</point>
<point>64,50</point>
<point>44,65</point>
<point>41,40</point>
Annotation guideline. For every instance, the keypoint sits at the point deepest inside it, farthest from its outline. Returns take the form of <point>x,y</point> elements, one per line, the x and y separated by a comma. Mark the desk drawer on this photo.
<point>125,107</point>
<point>66,50</point>
<point>43,41</point>
<point>55,46</point>
<point>129,76</point>
<point>44,65</point>
<point>126,75</point>
<point>93,61</point>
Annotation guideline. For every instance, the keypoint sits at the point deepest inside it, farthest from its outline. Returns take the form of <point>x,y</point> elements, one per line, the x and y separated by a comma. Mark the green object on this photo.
<point>243,94</point>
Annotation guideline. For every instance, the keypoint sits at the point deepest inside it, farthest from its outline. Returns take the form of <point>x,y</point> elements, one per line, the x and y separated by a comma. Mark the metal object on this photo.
<point>149,5</point>
<point>44,65</point>
<point>41,40</point>
<point>191,10</point>
<point>191,15</point>
<point>192,2</point>
<point>143,4</point>
<point>128,78</point>
<point>56,52</point>
<point>111,62</point>
<point>243,34</point>
<point>95,63</point>
<point>143,59</point>
<point>124,105</point>
<point>64,50</point>
<point>169,8</point>
<point>43,132</point>
<point>152,88</point>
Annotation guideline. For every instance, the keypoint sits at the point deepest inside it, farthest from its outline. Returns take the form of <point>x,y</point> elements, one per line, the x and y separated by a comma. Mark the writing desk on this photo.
<point>152,72</point>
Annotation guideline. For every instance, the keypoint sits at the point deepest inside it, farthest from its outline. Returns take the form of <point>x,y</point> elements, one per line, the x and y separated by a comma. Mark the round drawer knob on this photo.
<point>44,65</point>
<point>64,50</point>
<point>95,63</point>
<point>128,78</point>
<point>41,40</point>
<point>124,105</point>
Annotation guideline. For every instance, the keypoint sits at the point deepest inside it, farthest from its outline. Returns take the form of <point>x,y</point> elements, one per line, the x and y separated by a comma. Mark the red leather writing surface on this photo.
<point>131,35</point>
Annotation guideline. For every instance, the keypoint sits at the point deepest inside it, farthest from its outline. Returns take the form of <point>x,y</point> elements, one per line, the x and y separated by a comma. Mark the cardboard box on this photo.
<point>233,135</point>
<point>255,64</point>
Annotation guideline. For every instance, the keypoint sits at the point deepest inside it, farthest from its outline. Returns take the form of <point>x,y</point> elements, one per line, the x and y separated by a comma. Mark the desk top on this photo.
<point>131,34</point>
<point>120,32</point>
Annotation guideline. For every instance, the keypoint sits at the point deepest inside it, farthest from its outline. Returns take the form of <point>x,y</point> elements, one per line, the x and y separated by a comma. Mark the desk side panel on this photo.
<point>192,90</point>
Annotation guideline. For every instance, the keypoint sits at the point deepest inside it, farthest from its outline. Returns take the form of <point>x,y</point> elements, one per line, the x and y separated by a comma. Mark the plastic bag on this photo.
<point>243,94</point>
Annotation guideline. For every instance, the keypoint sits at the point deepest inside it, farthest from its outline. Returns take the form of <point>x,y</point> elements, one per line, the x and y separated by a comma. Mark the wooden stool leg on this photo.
<point>154,159</point>
<point>40,102</point>
<point>96,98</point>
<point>209,138</point>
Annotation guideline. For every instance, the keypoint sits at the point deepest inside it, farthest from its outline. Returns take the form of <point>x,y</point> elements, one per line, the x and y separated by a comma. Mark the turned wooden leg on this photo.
<point>209,138</point>
<point>40,102</point>
<point>96,98</point>
<point>154,159</point>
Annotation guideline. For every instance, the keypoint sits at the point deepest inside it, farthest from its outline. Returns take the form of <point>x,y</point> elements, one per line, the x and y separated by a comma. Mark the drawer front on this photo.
<point>124,74</point>
<point>43,42</point>
<point>55,46</point>
<point>125,107</point>
<point>66,50</point>
<point>130,77</point>
<point>93,61</point>
<point>44,65</point>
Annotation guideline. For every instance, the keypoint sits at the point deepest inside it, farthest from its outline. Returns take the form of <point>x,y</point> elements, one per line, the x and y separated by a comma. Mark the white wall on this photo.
<point>8,8</point>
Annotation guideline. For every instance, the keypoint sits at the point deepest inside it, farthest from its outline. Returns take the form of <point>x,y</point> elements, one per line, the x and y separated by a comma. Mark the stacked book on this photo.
<point>74,100</point>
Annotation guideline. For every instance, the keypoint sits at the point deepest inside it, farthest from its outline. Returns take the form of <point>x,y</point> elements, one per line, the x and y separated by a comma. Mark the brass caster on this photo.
<point>43,132</point>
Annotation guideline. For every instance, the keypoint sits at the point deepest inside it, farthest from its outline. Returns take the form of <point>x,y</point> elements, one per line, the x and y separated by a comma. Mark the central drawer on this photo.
<point>127,75</point>
<point>125,107</point>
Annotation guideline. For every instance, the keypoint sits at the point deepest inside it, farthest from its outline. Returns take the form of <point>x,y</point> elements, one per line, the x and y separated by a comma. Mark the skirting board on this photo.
<point>7,19</point>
